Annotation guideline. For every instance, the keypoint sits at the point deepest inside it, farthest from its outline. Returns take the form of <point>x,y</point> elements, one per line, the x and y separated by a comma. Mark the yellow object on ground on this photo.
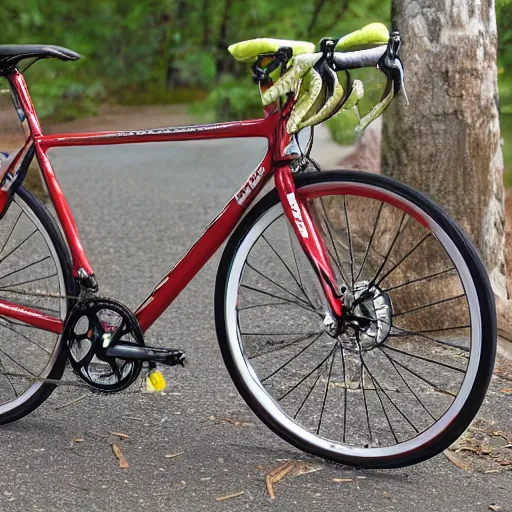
<point>155,381</point>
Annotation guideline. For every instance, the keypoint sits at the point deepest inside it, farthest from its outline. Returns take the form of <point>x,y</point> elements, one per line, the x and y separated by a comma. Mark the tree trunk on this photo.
<point>447,142</point>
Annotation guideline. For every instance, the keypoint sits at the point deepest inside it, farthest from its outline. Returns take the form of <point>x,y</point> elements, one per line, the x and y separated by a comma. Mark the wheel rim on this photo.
<point>262,390</point>
<point>29,262</point>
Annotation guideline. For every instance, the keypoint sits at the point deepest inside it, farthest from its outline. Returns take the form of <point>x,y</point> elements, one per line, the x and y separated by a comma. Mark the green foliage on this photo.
<point>231,99</point>
<point>504,19</point>
<point>342,125</point>
<point>139,49</point>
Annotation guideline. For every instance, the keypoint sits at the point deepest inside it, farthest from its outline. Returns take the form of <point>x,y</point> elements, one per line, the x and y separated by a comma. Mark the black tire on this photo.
<point>485,301</point>
<point>62,252</point>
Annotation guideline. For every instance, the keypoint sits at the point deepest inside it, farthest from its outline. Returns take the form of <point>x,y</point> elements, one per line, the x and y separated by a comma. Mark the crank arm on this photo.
<point>168,356</point>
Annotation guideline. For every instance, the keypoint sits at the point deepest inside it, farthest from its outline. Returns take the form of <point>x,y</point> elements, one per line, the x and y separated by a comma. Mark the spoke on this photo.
<point>288,269</point>
<point>396,265</point>
<point>293,388</point>
<point>6,288</point>
<point>262,305</point>
<point>16,362</point>
<point>432,276</point>
<point>405,333</point>
<point>278,333</point>
<point>344,393</point>
<point>2,371</point>
<point>436,303</point>
<point>326,392</point>
<point>407,385</point>
<point>376,389</point>
<point>282,347</point>
<point>11,232</point>
<point>351,250</point>
<point>303,306</point>
<point>370,241</point>
<point>455,328</point>
<point>381,268</point>
<point>18,246</point>
<point>423,358</point>
<point>309,393</point>
<point>12,329</point>
<point>417,375</point>
<point>277,284</point>
<point>361,379</point>
<point>375,381</point>
<point>294,256</point>
<point>336,260</point>
<point>25,267</point>
<point>302,350</point>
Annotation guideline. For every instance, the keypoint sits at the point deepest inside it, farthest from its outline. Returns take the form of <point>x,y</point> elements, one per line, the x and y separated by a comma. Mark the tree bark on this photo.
<point>447,142</point>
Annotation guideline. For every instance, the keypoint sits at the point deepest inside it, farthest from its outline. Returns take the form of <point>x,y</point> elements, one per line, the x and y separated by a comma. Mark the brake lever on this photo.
<point>391,65</point>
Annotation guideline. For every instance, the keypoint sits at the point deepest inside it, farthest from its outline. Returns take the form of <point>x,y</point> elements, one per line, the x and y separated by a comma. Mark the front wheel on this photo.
<point>410,363</point>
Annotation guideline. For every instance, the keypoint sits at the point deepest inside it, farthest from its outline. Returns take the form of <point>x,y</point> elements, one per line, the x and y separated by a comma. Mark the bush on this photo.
<point>232,99</point>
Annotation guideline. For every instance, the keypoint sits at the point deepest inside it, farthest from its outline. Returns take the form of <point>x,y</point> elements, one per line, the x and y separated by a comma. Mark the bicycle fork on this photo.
<point>302,222</point>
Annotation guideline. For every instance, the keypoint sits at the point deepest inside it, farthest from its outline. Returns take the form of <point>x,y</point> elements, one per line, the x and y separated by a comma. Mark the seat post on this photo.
<point>23,104</point>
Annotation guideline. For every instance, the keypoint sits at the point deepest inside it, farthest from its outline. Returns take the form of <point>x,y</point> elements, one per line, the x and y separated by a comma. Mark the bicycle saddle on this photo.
<point>12,54</point>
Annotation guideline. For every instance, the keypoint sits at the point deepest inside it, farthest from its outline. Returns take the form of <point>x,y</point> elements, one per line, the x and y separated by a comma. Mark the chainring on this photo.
<point>94,325</point>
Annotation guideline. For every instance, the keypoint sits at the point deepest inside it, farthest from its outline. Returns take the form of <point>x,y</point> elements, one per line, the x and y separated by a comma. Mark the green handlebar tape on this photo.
<point>375,34</point>
<point>248,50</point>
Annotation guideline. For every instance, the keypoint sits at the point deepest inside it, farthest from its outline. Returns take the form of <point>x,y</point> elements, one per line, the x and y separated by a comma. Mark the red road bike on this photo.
<point>354,316</point>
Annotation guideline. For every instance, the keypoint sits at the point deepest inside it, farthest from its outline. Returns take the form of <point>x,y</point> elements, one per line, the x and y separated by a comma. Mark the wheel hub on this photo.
<point>367,318</point>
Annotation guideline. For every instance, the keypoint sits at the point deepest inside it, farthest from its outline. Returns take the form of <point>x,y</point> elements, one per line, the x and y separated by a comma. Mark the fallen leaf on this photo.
<point>120,435</point>
<point>123,463</point>
<point>276,475</point>
<point>342,479</point>
<point>455,460</point>
<point>506,390</point>
<point>494,507</point>
<point>303,468</point>
<point>387,495</point>
<point>172,455</point>
<point>77,440</point>
<point>467,448</point>
<point>229,496</point>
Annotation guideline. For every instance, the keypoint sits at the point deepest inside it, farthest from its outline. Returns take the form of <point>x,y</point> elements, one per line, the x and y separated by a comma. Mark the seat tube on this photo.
<point>299,216</point>
<point>30,122</point>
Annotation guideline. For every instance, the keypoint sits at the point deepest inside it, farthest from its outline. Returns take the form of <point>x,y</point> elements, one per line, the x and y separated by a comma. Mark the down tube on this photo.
<point>214,236</point>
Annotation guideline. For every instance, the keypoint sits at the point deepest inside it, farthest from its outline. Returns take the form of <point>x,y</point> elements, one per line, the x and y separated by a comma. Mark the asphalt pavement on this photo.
<point>138,209</point>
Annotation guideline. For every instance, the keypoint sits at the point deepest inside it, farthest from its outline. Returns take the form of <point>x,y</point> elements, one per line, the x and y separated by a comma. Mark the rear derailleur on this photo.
<point>106,345</point>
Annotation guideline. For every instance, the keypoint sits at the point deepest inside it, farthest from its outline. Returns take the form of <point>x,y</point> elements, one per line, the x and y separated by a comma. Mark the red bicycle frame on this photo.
<point>276,163</point>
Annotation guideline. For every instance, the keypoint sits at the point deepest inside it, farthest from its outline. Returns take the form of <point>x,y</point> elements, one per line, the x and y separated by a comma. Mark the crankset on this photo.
<point>106,345</point>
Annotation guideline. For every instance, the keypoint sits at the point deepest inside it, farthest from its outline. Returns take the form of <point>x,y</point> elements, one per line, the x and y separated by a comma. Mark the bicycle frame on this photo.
<point>276,162</point>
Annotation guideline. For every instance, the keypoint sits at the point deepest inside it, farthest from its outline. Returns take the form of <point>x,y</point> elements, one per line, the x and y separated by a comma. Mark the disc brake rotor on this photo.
<point>95,325</point>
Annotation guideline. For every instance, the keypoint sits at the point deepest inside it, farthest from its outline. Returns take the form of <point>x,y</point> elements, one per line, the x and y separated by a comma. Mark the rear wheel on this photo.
<point>408,370</point>
<point>35,271</point>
